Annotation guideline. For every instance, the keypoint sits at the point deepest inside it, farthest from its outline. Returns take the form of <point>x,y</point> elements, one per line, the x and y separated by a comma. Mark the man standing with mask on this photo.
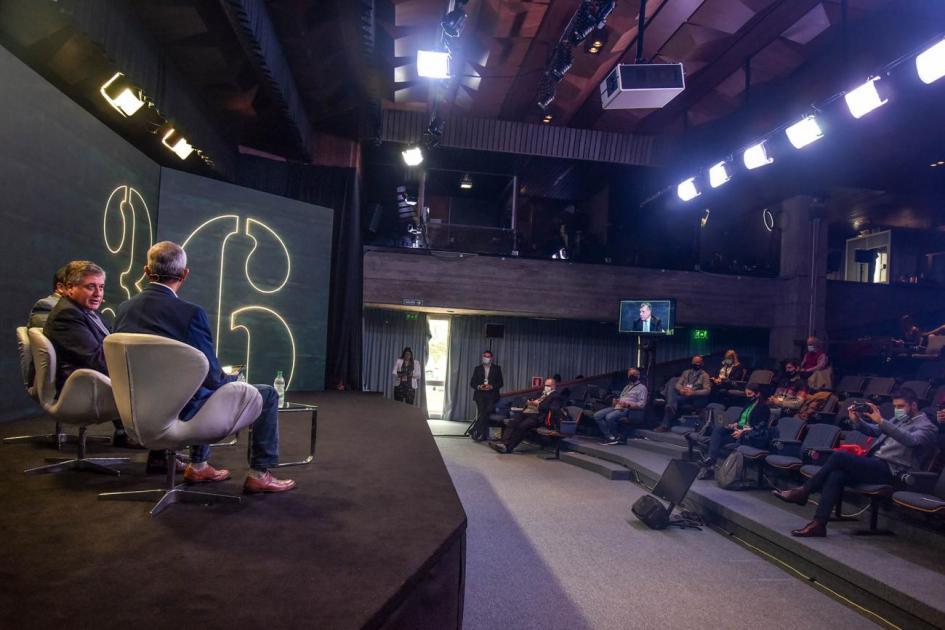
<point>486,381</point>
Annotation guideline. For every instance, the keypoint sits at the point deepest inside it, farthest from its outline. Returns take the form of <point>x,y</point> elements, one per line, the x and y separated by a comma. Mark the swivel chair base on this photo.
<point>80,461</point>
<point>57,439</point>
<point>170,494</point>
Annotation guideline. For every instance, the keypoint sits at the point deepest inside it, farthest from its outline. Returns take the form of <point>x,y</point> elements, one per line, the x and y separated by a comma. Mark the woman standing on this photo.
<point>407,373</point>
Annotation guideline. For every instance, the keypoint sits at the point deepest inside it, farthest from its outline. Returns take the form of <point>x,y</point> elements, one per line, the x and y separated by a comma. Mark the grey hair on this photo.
<point>76,271</point>
<point>166,261</point>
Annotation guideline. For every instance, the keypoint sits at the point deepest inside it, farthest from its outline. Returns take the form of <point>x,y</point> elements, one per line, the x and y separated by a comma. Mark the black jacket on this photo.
<point>78,339</point>
<point>495,379</point>
<point>759,420</point>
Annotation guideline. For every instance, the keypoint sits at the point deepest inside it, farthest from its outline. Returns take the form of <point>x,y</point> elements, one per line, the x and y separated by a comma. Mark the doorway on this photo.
<point>437,361</point>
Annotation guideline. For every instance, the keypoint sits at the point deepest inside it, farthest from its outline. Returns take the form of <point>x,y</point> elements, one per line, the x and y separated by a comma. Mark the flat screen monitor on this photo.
<point>676,481</point>
<point>647,317</point>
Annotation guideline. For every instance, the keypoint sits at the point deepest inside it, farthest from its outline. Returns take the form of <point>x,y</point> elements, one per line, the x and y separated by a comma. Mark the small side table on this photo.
<point>292,407</point>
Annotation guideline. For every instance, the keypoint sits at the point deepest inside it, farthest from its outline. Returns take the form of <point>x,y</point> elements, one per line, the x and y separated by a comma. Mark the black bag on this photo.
<point>651,511</point>
<point>731,473</point>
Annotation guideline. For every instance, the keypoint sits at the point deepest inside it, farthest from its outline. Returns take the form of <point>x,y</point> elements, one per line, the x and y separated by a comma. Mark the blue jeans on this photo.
<point>608,419</point>
<point>265,449</point>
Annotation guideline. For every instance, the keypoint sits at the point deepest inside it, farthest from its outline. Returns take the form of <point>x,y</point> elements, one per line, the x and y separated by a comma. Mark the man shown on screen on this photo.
<point>646,321</point>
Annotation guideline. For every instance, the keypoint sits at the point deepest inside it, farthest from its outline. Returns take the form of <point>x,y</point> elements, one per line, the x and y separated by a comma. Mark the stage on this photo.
<point>373,537</point>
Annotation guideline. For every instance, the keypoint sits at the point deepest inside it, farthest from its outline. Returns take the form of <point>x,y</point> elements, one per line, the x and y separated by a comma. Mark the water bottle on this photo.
<point>279,385</point>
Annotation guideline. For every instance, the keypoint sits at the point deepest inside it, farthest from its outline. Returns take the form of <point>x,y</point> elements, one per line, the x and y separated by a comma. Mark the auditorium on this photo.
<point>472,314</point>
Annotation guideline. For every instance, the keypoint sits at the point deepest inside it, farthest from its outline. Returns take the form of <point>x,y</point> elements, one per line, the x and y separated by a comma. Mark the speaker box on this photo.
<point>495,331</point>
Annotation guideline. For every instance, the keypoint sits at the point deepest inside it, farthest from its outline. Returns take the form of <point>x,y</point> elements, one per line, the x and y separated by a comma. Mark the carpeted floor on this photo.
<point>375,505</point>
<point>549,546</point>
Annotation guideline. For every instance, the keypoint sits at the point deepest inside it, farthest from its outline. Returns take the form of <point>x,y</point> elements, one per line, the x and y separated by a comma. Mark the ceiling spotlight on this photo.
<point>454,21</point>
<point>756,156</point>
<point>413,156</point>
<point>546,119</point>
<point>584,24</point>
<point>433,64</point>
<point>121,95</point>
<point>864,99</point>
<point>687,190</point>
<point>466,182</point>
<point>604,9</point>
<point>804,132</point>
<point>718,175</point>
<point>931,64</point>
<point>561,61</point>
<point>177,143</point>
<point>546,91</point>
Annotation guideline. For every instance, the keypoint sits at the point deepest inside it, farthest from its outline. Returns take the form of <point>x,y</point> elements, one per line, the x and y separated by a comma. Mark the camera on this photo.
<point>862,408</point>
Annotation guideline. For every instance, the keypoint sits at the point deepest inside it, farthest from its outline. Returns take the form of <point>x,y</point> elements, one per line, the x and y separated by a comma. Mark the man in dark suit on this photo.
<point>158,311</point>
<point>486,381</point>
<point>76,331</point>
<point>44,306</point>
<point>646,322</point>
<point>536,412</point>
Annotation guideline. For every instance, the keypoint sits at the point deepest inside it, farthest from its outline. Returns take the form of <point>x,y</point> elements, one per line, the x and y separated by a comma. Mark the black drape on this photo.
<point>339,189</point>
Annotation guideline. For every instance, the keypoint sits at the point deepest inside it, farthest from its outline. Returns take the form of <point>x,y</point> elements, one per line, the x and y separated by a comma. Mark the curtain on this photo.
<point>386,334</point>
<point>339,189</point>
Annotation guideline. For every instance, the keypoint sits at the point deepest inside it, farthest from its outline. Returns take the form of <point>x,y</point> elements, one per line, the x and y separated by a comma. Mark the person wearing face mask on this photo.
<point>628,405</point>
<point>751,429</point>
<point>487,382</point>
<point>900,445</point>
<point>691,392</point>
<point>791,390</point>
<point>731,372</point>
<point>545,407</point>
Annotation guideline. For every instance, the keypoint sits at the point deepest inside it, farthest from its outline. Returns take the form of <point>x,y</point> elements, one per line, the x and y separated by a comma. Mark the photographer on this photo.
<point>899,445</point>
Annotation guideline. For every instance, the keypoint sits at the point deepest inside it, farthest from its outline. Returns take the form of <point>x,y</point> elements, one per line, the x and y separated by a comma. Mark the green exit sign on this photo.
<point>411,316</point>
<point>700,334</point>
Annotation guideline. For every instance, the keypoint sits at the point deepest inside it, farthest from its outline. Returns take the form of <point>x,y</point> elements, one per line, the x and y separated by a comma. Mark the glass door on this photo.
<point>437,356</point>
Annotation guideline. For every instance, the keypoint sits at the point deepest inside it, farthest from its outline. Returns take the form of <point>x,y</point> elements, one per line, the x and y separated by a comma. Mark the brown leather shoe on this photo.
<point>267,483</point>
<point>794,495</point>
<point>814,529</point>
<point>207,473</point>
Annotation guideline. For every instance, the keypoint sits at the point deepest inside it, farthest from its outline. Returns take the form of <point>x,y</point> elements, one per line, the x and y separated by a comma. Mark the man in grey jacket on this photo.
<point>41,309</point>
<point>899,445</point>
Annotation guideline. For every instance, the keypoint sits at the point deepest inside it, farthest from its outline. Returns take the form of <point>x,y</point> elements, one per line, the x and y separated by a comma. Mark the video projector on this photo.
<point>642,85</point>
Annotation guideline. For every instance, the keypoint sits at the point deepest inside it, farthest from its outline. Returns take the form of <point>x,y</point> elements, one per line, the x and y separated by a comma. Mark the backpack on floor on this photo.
<point>731,473</point>
<point>651,511</point>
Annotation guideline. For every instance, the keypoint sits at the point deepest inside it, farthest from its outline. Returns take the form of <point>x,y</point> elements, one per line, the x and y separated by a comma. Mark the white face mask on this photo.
<point>548,389</point>
<point>811,348</point>
<point>486,360</point>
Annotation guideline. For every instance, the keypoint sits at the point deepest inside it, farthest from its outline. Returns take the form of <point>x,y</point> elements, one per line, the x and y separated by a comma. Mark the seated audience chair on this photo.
<point>851,385</point>
<point>86,398</point>
<point>791,454</point>
<point>879,388</point>
<point>154,378</point>
<point>932,350</point>
<point>921,389</point>
<point>846,438</point>
<point>926,500</point>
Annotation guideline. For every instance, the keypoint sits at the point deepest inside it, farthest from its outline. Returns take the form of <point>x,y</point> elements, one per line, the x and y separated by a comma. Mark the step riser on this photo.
<point>608,472</point>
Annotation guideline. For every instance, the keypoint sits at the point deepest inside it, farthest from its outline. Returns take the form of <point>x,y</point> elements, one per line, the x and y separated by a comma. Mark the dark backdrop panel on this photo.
<point>69,184</point>
<point>260,264</point>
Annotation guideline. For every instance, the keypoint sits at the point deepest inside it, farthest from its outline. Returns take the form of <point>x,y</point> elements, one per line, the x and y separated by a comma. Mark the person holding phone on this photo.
<point>407,377</point>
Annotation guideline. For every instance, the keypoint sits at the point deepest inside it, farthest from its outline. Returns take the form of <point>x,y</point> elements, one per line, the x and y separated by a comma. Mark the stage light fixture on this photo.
<point>454,21</point>
<point>687,190</point>
<point>546,119</point>
<point>864,99</point>
<point>546,91</point>
<point>177,143</point>
<point>718,175</point>
<point>413,156</point>
<point>561,61</point>
<point>120,94</point>
<point>433,64</point>
<point>756,156</point>
<point>804,132</point>
<point>604,9</point>
<point>466,182</point>
<point>930,64</point>
<point>584,24</point>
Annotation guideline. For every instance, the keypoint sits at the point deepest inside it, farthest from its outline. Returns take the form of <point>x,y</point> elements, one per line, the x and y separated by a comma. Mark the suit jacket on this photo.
<point>495,379</point>
<point>41,310</point>
<point>157,311</point>
<point>553,403</point>
<point>903,444</point>
<point>77,334</point>
<point>656,324</point>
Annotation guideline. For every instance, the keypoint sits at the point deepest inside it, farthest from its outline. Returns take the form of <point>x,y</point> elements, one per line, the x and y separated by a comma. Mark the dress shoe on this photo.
<point>157,464</point>
<point>267,483</point>
<point>123,440</point>
<point>814,529</point>
<point>660,429</point>
<point>498,446</point>
<point>794,495</point>
<point>207,473</point>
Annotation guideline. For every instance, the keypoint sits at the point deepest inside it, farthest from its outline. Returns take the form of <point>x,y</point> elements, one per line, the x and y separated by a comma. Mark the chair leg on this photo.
<point>874,520</point>
<point>80,461</point>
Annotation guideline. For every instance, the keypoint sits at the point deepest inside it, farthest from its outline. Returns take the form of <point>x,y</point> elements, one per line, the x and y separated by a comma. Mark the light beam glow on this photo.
<point>687,190</point>
<point>930,64</point>
<point>756,156</point>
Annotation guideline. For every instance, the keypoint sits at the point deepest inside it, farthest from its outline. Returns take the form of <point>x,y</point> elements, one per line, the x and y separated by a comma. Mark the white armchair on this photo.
<point>153,379</point>
<point>86,399</point>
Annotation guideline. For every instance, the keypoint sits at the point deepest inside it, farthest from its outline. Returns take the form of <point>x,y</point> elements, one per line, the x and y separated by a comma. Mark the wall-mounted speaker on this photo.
<point>495,331</point>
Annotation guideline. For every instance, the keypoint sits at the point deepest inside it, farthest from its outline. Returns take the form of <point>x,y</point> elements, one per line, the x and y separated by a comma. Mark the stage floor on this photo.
<point>368,520</point>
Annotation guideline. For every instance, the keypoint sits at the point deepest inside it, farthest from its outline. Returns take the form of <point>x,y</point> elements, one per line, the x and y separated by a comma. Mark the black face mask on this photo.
<point>634,378</point>
<point>791,372</point>
<point>696,366</point>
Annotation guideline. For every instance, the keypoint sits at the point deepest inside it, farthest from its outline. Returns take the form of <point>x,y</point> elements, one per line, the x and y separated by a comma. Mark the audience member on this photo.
<point>732,373</point>
<point>41,309</point>
<point>407,373</point>
<point>487,382</point>
<point>158,311</point>
<point>790,390</point>
<point>77,332</point>
<point>691,391</point>
<point>815,366</point>
<point>752,429</point>
<point>899,447</point>
<point>537,411</point>
<point>629,404</point>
